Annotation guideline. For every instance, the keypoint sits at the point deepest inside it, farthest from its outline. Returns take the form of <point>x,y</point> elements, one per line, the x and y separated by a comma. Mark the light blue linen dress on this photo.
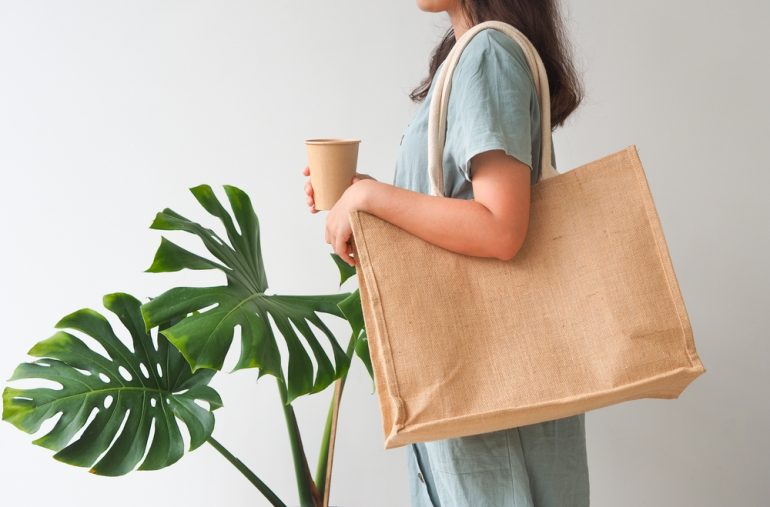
<point>492,105</point>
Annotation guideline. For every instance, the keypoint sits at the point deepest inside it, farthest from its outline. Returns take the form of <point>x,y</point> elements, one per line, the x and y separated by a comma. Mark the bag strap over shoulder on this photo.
<point>439,102</point>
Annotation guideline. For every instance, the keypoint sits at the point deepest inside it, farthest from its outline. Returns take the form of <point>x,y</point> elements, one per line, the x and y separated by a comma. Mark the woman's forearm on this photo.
<point>460,225</point>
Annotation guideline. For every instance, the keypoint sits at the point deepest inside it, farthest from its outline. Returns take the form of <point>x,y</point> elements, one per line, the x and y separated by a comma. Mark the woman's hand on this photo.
<point>309,187</point>
<point>338,229</point>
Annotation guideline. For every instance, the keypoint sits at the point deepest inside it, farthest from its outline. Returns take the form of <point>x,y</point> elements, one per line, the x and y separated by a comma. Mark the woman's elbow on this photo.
<point>508,245</point>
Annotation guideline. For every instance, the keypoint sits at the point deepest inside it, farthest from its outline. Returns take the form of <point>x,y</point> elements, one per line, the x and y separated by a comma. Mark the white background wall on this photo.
<point>110,111</point>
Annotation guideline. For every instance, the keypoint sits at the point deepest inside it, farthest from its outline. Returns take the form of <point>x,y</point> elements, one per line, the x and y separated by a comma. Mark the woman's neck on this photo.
<point>459,23</point>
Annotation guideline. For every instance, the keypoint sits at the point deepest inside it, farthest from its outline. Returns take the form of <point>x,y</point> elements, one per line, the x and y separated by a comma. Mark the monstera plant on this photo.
<point>122,408</point>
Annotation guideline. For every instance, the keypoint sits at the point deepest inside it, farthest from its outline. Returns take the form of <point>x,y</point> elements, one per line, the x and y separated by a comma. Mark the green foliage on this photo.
<point>208,316</point>
<point>142,386</point>
<point>351,308</point>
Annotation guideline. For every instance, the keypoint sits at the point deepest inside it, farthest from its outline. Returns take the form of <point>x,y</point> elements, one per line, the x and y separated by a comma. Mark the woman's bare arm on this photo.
<point>493,224</point>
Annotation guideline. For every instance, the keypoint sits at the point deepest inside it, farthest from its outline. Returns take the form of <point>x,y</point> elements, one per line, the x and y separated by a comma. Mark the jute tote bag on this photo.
<point>587,314</point>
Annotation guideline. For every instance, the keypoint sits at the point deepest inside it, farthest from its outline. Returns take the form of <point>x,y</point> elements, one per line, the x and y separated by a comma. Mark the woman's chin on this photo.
<point>433,5</point>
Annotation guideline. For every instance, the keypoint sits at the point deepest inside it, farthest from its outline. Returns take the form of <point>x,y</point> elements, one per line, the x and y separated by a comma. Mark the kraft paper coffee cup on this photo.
<point>332,165</point>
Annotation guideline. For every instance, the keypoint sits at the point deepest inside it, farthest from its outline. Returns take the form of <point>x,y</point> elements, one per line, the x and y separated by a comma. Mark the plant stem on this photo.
<point>308,493</point>
<point>333,436</point>
<point>251,476</point>
<point>324,453</point>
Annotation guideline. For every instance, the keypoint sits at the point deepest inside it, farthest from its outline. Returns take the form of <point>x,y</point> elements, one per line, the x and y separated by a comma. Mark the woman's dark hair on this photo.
<point>540,21</point>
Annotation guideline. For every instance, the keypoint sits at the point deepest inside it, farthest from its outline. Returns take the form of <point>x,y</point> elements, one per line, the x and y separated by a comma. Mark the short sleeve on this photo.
<point>490,102</point>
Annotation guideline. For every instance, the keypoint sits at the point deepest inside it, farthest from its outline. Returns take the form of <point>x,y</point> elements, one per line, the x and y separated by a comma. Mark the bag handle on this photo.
<point>439,102</point>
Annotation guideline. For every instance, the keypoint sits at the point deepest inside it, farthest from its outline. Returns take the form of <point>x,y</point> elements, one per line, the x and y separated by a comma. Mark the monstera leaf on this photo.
<point>208,316</point>
<point>351,308</point>
<point>128,392</point>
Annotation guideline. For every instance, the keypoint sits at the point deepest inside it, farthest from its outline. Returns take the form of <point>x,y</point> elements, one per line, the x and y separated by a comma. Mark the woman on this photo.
<point>491,158</point>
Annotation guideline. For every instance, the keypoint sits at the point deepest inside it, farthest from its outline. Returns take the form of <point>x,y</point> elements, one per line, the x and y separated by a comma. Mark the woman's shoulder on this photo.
<point>493,47</point>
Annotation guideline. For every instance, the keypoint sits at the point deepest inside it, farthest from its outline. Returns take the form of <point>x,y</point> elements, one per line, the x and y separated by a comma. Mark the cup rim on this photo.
<point>331,141</point>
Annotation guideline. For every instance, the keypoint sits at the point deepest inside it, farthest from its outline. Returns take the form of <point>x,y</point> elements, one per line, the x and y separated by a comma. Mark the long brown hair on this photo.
<point>540,21</point>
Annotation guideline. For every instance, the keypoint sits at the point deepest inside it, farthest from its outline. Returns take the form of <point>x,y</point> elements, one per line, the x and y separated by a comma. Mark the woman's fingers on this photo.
<point>309,190</point>
<point>342,248</point>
